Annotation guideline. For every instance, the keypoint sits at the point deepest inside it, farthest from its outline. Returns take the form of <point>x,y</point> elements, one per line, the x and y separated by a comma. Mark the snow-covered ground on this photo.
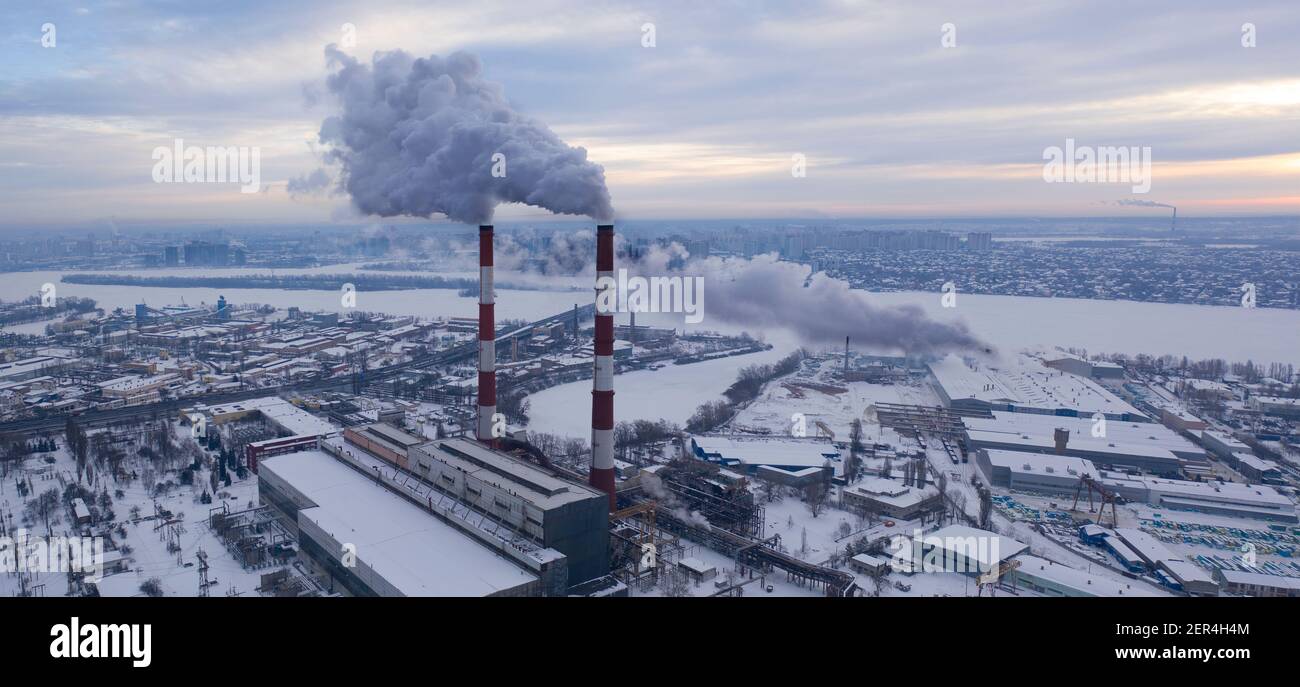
<point>177,572</point>
<point>781,399</point>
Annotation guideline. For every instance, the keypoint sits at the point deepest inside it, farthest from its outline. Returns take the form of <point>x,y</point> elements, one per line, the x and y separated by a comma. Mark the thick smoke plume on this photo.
<point>418,137</point>
<point>823,310</point>
<point>760,292</point>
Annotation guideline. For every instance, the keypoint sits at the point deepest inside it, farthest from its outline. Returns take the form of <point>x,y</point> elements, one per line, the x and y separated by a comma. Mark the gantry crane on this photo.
<point>1107,497</point>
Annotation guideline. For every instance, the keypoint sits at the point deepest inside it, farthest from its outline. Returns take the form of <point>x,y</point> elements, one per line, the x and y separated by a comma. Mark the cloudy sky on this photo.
<point>706,123</point>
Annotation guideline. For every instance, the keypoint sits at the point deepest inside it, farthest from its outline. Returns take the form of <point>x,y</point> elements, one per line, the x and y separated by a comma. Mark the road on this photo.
<point>455,354</point>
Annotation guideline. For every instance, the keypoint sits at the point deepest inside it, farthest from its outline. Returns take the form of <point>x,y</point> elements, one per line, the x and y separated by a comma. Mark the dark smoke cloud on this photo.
<point>763,292</point>
<point>417,137</point>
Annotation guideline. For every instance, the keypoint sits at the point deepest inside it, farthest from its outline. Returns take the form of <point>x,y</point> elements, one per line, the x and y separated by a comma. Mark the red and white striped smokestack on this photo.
<point>602,392</point>
<point>487,344</point>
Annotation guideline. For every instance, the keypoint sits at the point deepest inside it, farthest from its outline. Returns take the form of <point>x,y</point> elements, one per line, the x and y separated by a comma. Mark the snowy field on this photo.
<point>177,571</point>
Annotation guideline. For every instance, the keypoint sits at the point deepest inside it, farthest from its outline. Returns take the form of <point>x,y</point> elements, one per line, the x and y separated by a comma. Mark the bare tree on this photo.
<point>152,587</point>
<point>815,496</point>
<point>674,584</point>
<point>856,447</point>
<point>45,506</point>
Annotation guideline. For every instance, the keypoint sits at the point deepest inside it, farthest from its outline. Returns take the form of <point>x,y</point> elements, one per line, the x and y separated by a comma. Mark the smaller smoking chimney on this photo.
<point>1062,437</point>
<point>846,358</point>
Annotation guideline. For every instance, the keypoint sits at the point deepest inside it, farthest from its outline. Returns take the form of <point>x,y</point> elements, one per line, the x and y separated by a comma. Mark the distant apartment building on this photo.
<point>979,240</point>
<point>205,253</point>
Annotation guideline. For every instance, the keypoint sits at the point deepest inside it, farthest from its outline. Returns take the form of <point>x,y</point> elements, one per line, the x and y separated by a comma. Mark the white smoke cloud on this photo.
<point>418,137</point>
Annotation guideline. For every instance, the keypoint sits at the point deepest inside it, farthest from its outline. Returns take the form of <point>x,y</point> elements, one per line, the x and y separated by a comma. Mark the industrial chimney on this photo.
<point>1062,437</point>
<point>602,392</point>
<point>487,346</point>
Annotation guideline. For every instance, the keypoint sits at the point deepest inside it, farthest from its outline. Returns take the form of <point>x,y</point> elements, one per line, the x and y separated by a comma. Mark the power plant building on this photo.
<point>560,514</point>
<point>374,542</point>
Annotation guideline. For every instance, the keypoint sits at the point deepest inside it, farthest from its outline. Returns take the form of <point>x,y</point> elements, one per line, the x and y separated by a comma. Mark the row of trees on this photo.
<point>1208,368</point>
<point>14,446</point>
<point>748,385</point>
<point>630,436</point>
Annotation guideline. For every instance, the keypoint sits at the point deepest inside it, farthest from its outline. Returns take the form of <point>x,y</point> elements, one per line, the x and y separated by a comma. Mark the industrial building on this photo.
<point>1172,570</point>
<point>556,513</point>
<point>1024,386</point>
<point>1222,444</point>
<point>1257,584</point>
<point>298,429</point>
<point>36,366</point>
<point>384,440</point>
<point>1053,579</point>
<point>1257,502</point>
<point>1180,419</point>
<point>1142,446</point>
<point>374,542</point>
<point>748,453</point>
<point>1276,405</point>
<point>1256,469</point>
<point>1033,472</point>
<point>798,479</point>
<point>1084,368</point>
<point>891,498</point>
<point>285,416</point>
<point>963,549</point>
<point>868,564</point>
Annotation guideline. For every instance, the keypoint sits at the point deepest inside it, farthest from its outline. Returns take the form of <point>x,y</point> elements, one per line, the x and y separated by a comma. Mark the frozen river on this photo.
<point>1007,322</point>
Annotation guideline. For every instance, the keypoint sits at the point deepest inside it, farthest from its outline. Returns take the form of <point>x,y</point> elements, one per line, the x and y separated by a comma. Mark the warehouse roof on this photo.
<point>409,547</point>
<point>756,450</point>
<point>1041,463</point>
<point>1025,381</point>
